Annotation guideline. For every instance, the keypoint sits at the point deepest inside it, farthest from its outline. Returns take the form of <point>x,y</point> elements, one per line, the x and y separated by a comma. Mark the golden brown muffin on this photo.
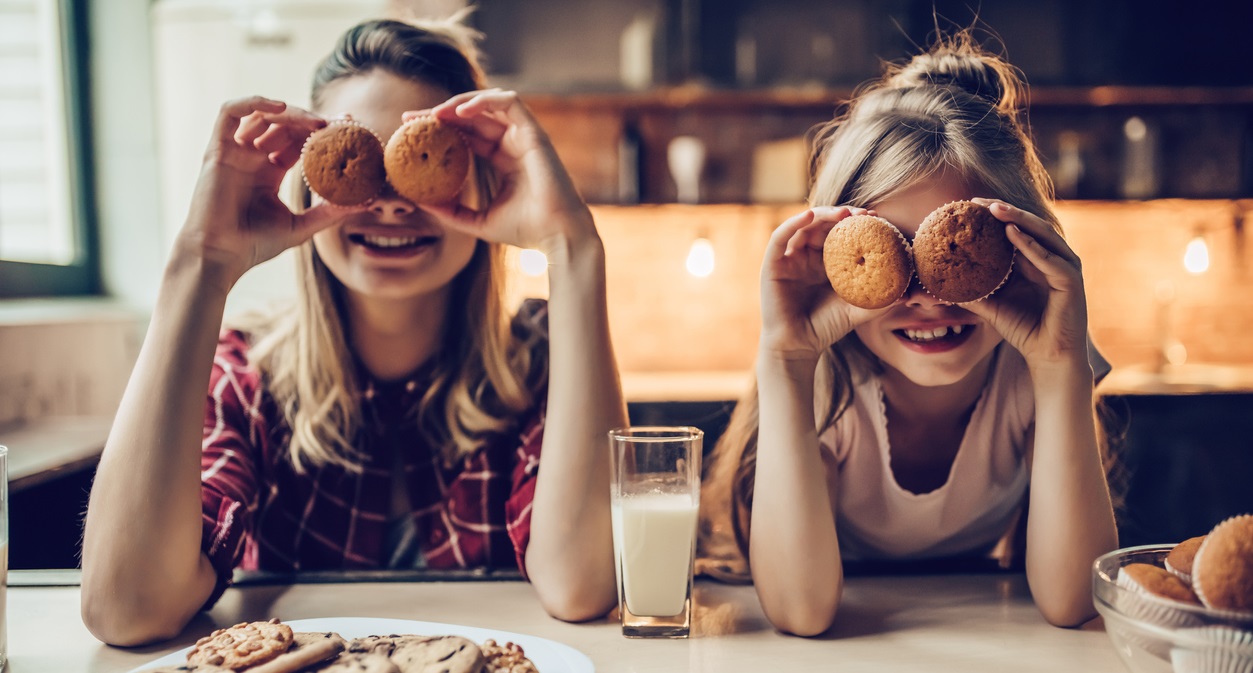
<point>1222,572</point>
<point>427,161</point>
<point>961,253</point>
<point>343,163</point>
<point>867,261</point>
<point>1156,581</point>
<point>1179,561</point>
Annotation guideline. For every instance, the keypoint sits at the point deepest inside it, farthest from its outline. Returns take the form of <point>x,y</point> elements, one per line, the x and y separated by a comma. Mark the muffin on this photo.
<point>1222,572</point>
<point>1179,560</point>
<point>427,161</point>
<point>343,163</point>
<point>867,260</point>
<point>961,252</point>
<point>1149,579</point>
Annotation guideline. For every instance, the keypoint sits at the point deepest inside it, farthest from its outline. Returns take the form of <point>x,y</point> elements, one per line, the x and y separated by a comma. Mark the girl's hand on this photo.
<point>537,205</point>
<point>801,316</point>
<point>1042,310</point>
<point>237,220</point>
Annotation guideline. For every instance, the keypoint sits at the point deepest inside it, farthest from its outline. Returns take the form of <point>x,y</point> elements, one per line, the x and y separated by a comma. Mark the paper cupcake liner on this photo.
<point>338,121</point>
<point>1214,649</point>
<point>1186,578</point>
<point>1141,606</point>
<point>1198,579</point>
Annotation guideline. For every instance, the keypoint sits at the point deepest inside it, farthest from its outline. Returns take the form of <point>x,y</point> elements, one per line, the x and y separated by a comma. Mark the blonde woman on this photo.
<point>397,415</point>
<point>921,430</point>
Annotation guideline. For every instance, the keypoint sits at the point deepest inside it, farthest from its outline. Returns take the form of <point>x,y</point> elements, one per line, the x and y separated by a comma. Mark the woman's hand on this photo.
<point>801,315</point>
<point>237,220</point>
<point>537,205</point>
<point>1042,310</point>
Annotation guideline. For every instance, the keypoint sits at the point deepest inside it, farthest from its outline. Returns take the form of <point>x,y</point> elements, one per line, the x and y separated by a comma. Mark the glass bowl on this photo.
<point>1155,635</point>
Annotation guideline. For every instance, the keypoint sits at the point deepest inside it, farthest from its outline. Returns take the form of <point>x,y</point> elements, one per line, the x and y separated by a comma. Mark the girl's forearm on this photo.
<point>570,556</point>
<point>793,551</point>
<point>144,575</point>
<point>1071,519</point>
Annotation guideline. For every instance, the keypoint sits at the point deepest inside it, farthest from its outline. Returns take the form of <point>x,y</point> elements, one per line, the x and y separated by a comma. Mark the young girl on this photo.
<point>396,416</point>
<point>917,431</point>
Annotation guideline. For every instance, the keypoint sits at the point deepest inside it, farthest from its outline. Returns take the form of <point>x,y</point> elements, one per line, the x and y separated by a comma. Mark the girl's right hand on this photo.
<point>801,316</point>
<point>236,219</point>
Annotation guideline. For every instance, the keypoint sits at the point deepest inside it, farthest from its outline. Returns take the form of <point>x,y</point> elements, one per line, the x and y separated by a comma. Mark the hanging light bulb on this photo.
<point>532,262</point>
<point>1196,256</point>
<point>700,258</point>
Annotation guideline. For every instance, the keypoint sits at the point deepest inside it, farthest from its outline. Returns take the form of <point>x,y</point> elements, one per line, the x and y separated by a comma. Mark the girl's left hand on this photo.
<point>536,205</point>
<point>1042,310</point>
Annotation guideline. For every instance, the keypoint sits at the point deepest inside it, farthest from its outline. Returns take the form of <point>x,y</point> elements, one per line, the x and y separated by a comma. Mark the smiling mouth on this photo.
<point>922,336</point>
<point>396,243</point>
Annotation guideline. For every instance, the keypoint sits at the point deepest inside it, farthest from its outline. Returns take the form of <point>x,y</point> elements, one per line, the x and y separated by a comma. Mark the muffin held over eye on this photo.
<point>961,252</point>
<point>427,161</point>
<point>867,260</point>
<point>343,163</point>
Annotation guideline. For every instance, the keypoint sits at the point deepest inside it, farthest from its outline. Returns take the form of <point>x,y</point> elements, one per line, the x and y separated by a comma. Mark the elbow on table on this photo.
<point>127,623</point>
<point>803,618</point>
<point>1067,614</point>
<point>572,605</point>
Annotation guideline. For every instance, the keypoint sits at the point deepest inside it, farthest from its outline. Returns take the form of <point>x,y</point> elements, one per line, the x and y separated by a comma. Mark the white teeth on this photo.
<point>932,334</point>
<point>389,241</point>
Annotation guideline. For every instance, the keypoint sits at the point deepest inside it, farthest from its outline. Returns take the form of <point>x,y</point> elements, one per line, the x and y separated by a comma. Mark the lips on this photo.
<point>934,338</point>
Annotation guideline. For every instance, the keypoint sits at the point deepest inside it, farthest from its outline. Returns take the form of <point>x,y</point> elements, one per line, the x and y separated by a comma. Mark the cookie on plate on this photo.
<point>867,261</point>
<point>358,662</point>
<point>243,645</point>
<point>506,658</point>
<point>961,252</point>
<point>447,654</point>
<point>306,650</point>
<point>427,161</point>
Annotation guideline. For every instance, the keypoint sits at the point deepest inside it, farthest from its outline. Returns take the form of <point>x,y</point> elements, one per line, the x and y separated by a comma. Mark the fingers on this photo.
<point>814,234</point>
<point>278,134</point>
<point>1037,227</point>
<point>1058,272</point>
<point>233,111</point>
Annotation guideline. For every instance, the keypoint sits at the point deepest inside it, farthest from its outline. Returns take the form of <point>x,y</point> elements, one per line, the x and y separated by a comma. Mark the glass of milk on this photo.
<point>655,493</point>
<point>4,551</point>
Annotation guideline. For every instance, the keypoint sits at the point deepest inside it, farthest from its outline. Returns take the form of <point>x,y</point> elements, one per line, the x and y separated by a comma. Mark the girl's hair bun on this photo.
<point>960,62</point>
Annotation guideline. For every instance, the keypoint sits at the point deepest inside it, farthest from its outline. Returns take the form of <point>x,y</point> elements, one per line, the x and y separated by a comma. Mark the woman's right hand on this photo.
<point>801,316</point>
<point>236,220</point>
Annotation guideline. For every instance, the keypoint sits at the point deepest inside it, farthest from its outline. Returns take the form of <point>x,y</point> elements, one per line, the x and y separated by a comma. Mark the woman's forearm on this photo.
<point>144,575</point>
<point>570,556</point>
<point>1071,519</point>
<point>793,550</point>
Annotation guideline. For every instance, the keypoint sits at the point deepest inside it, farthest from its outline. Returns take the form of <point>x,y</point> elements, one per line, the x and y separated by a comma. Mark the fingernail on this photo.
<point>999,206</point>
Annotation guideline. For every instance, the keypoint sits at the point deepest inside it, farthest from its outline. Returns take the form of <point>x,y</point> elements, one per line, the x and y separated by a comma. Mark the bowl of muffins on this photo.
<point>1181,608</point>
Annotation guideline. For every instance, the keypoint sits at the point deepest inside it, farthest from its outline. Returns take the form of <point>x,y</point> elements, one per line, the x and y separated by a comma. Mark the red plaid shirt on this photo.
<point>259,513</point>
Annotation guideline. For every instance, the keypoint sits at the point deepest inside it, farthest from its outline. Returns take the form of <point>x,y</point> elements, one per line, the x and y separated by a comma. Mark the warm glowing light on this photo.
<point>1196,256</point>
<point>700,258</point>
<point>1135,129</point>
<point>1176,354</point>
<point>532,262</point>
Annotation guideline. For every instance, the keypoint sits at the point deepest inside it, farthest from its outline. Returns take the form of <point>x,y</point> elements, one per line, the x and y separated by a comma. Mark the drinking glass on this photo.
<point>655,494</point>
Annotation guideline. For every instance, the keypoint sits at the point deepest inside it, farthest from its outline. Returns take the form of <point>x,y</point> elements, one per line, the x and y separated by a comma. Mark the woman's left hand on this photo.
<point>1042,310</point>
<point>536,205</point>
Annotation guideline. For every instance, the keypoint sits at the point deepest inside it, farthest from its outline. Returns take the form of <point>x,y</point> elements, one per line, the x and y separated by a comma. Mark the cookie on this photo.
<point>358,662</point>
<point>383,645</point>
<point>507,658</point>
<point>1179,561</point>
<point>343,163</point>
<point>305,638</point>
<point>242,645</point>
<point>427,161</point>
<point>1222,572</point>
<point>194,668</point>
<point>449,654</point>
<point>961,252</point>
<point>307,650</point>
<point>868,261</point>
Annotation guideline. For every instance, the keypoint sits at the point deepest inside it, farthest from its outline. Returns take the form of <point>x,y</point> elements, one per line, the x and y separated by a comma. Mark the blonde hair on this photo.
<point>484,375</point>
<point>956,108</point>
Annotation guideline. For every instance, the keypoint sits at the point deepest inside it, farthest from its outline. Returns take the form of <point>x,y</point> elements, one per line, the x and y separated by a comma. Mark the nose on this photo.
<point>917,296</point>
<point>390,205</point>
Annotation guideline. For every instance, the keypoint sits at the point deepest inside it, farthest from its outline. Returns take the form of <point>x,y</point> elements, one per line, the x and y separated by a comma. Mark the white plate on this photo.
<point>549,656</point>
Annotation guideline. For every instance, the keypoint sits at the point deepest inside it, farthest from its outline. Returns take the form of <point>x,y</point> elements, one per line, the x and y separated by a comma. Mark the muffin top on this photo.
<point>1179,560</point>
<point>867,261</point>
<point>427,161</point>
<point>1222,572</point>
<point>343,163</point>
<point>961,253</point>
<point>1158,582</point>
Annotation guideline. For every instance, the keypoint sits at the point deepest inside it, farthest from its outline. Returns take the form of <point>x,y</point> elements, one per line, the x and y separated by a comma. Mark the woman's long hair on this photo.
<point>955,109</point>
<point>484,375</point>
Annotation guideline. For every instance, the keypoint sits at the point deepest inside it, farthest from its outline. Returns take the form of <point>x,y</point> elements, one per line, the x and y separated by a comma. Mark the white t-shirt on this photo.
<point>969,513</point>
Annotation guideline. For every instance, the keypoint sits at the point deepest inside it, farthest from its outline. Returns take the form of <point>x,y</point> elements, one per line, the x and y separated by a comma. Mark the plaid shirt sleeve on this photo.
<point>233,432</point>
<point>522,487</point>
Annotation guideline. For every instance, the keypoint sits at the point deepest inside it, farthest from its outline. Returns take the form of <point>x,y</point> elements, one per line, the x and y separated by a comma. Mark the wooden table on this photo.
<point>934,623</point>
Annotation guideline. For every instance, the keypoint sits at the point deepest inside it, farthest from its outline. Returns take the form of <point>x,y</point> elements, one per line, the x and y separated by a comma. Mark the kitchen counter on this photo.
<point>933,623</point>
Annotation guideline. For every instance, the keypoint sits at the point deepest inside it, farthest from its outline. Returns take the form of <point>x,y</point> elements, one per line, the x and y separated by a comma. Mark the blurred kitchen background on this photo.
<point>683,122</point>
